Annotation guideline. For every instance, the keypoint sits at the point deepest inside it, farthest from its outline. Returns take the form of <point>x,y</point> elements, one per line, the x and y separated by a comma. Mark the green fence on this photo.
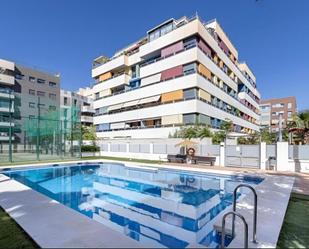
<point>51,135</point>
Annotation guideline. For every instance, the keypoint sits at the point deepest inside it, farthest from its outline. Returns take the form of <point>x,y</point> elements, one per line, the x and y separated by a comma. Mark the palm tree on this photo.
<point>190,132</point>
<point>299,127</point>
<point>204,132</point>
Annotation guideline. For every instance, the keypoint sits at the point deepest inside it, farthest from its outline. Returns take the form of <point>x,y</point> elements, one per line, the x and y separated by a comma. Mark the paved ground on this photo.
<point>301,184</point>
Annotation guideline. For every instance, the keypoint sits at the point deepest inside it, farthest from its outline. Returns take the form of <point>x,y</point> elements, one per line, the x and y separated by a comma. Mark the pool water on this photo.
<point>158,208</point>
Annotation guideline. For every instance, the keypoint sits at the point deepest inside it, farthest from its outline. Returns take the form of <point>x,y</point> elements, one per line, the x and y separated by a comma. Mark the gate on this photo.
<point>246,156</point>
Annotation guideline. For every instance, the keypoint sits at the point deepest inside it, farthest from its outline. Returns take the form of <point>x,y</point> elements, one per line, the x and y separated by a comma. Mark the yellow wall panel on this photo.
<point>204,71</point>
<point>105,76</point>
<point>204,95</point>
<point>170,96</point>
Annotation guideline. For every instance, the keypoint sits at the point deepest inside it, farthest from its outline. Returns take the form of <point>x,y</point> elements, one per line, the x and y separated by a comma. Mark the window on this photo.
<point>189,68</point>
<point>40,81</point>
<point>97,95</point>
<point>203,119</point>
<point>4,103</point>
<point>190,93</point>
<point>41,105</point>
<point>31,104</point>
<point>19,76</point>
<point>278,105</point>
<point>52,108</point>
<point>39,93</point>
<point>52,84</point>
<point>160,31</point>
<point>75,102</point>
<point>289,105</point>
<point>189,118</point>
<point>31,92</point>
<point>52,96</point>
<point>190,42</point>
<point>65,100</point>
<point>103,127</point>
<point>289,114</point>
<point>31,79</point>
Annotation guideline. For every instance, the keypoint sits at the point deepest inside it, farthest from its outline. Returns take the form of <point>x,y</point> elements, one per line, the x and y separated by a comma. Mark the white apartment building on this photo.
<point>80,101</point>
<point>183,72</point>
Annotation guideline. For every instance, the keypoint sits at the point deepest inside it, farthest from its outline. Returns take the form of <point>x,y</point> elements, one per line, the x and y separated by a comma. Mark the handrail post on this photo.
<point>245,228</point>
<point>254,211</point>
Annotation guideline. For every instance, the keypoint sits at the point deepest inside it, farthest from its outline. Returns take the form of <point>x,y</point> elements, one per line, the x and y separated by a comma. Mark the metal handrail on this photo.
<point>234,213</point>
<point>254,211</point>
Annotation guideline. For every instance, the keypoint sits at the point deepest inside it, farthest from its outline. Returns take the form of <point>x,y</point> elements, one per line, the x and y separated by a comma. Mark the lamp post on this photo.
<point>10,129</point>
<point>280,127</point>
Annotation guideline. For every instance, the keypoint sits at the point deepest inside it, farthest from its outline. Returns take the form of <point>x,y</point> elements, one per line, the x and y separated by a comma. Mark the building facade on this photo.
<point>272,109</point>
<point>81,101</point>
<point>33,93</point>
<point>183,72</point>
<point>7,97</point>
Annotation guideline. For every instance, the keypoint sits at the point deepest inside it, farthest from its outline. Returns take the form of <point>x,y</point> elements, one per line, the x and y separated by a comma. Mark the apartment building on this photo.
<point>182,72</point>
<point>7,97</point>
<point>81,101</point>
<point>272,109</point>
<point>29,92</point>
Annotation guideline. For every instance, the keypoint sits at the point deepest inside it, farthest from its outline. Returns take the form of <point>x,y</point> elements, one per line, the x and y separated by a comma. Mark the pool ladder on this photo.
<point>235,213</point>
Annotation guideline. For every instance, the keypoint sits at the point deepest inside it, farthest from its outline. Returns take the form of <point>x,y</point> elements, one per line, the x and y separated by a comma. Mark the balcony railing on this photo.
<point>113,77</point>
<point>234,113</point>
<point>6,90</point>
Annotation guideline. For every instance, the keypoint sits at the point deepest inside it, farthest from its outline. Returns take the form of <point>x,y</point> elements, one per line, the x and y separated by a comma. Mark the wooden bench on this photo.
<point>204,160</point>
<point>176,158</point>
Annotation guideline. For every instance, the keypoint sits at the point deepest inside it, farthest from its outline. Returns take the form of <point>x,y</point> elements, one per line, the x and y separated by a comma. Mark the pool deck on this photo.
<point>52,224</point>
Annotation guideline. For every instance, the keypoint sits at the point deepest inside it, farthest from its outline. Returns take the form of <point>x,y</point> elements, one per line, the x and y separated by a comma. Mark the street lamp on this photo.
<point>280,127</point>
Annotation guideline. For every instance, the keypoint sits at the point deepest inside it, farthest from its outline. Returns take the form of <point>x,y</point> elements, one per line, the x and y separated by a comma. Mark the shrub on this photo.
<point>90,148</point>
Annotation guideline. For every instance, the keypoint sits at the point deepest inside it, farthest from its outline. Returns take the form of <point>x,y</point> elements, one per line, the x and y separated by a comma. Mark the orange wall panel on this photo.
<point>170,96</point>
<point>105,76</point>
<point>204,71</point>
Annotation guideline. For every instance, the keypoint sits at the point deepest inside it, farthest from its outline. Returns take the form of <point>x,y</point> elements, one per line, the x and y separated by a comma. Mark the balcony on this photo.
<point>7,79</point>
<point>112,64</point>
<point>86,119</point>
<point>5,122</point>
<point>114,81</point>
<point>6,93</point>
<point>5,137</point>
<point>87,109</point>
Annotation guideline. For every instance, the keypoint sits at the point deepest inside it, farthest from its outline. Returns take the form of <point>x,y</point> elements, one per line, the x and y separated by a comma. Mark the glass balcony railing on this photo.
<point>6,90</point>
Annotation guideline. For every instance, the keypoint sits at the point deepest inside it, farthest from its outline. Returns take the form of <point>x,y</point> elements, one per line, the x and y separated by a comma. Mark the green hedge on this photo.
<point>90,148</point>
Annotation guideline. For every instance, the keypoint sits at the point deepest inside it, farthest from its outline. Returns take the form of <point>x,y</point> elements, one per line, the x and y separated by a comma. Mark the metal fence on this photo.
<point>48,136</point>
<point>247,156</point>
<point>299,152</point>
<point>160,148</point>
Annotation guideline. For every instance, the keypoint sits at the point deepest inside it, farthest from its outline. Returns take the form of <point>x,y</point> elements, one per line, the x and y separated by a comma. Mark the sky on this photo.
<point>272,36</point>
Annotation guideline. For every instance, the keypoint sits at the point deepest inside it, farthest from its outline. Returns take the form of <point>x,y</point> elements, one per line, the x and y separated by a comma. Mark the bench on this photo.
<point>176,158</point>
<point>204,160</point>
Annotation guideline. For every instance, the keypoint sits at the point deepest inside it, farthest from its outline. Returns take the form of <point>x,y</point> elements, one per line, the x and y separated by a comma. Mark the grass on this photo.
<point>11,235</point>
<point>295,229</point>
<point>7,164</point>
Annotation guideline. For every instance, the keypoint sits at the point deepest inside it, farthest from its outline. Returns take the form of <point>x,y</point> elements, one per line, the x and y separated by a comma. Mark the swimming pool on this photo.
<point>158,208</point>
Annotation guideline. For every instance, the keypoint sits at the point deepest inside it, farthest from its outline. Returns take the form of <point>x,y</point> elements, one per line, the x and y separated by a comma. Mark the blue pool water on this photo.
<point>158,208</point>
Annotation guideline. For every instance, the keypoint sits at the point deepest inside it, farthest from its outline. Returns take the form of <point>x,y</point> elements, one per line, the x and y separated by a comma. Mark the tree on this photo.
<point>227,127</point>
<point>267,136</point>
<point>204,132</point>
<point>299,127</point>
<point>191,132</point>
<point>218,137</point>
<point>89,133</point>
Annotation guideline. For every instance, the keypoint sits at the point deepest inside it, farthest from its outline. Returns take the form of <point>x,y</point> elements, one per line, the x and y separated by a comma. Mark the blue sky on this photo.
<point>272,36</point>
